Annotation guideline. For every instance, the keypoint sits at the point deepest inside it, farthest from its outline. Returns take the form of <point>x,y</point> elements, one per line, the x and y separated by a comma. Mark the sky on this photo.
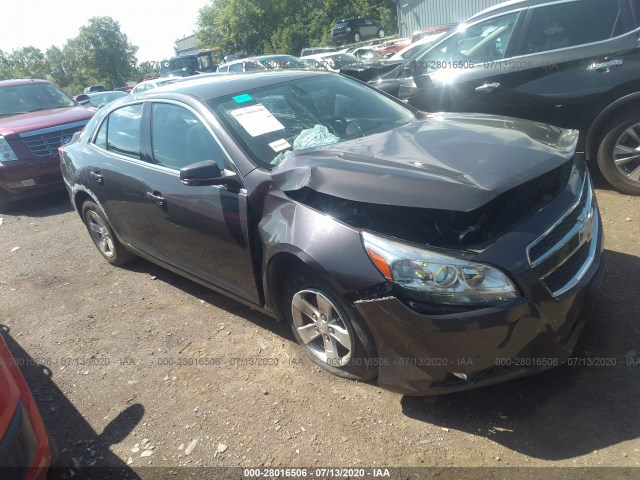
<point>151,26</point>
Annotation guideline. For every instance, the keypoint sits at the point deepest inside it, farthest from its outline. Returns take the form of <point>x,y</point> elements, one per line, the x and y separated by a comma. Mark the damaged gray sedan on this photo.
<point>435,253</point>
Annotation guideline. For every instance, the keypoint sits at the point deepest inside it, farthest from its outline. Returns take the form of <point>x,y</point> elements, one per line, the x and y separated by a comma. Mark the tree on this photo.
<point>28,62</point>
<point>102,54</point>
<point>283,26</point>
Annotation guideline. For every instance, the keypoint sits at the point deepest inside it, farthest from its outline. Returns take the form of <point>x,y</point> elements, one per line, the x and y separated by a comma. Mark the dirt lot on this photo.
<point>141,363</point>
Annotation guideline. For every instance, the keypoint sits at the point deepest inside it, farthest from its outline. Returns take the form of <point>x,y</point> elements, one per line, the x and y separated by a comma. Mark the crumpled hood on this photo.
<point>447,161</point>
<point>26,122</point>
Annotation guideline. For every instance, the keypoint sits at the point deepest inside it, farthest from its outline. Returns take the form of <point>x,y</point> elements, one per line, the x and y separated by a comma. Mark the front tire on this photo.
<point>381,33</point>
<point>356,37</point>
<point>619,154</point>
<point>329,329</point>
<point>103,237</point>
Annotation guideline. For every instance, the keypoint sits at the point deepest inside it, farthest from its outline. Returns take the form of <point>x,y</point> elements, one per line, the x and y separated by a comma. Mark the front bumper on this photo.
<point>22,179</point>
<point>434,354</point>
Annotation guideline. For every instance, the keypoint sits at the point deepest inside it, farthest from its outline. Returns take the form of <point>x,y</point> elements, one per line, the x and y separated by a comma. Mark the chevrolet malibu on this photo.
<point>434,253</point>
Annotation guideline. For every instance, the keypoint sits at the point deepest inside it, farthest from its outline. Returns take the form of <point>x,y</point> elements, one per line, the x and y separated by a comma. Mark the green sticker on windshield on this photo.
<point>243,98</point>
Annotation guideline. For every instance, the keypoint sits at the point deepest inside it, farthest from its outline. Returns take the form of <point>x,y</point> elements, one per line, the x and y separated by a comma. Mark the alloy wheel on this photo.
<point>626,153</point>
<point>100,234</point>
<point>321,327</point>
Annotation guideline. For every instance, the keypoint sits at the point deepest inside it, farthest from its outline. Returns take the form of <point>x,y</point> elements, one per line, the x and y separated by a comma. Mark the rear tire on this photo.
<point>356,37</point>
<point>381,33</point>
<point>327,327</point>
<point>103,237</point>
<point>619,154</point>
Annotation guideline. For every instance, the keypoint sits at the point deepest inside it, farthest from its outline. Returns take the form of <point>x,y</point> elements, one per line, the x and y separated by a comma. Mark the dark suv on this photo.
<point>573,64</point>
<point>355,30</point>
<point>36,118</point>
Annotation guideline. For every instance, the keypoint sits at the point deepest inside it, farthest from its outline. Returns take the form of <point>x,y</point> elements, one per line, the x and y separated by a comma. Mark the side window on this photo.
<point>485,41</point>
<point>101,138</point>
<point>571,24</point>
<point>236,67</point>
<point>223,68</point>
<point>123,130</point>
<point>179,139</point>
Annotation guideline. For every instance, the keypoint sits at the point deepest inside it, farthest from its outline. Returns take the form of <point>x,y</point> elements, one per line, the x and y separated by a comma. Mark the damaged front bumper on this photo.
<point>422,354</point>
<point>425,353</point>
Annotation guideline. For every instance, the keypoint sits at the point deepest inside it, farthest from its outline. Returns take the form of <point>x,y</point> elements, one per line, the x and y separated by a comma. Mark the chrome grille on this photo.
<point>47,144</point>
<point>566,251</point>
<point>565,272</point>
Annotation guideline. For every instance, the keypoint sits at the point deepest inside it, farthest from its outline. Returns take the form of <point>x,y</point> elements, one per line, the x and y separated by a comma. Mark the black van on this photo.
<point>355,30</point>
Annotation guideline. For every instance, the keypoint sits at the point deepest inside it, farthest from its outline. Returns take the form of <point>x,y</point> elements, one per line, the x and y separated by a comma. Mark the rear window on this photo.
<point>571,24</point>
<point>120,132</point>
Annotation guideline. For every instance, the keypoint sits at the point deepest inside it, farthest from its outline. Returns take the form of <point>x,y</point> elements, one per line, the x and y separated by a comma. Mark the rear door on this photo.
<point>115,178</point>
<point>203,229</point>
<point>369,28</point>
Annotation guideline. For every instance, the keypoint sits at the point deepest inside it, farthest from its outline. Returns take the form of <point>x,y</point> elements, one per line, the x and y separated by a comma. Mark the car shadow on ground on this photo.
<point>43,206</point>
<point>213,298</point>
<point>571,410</point>
<point>78,444</point>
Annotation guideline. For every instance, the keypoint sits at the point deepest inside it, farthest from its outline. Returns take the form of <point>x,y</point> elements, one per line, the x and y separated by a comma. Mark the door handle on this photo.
<point>488,87</point>
<point>97,177</point>
<point>605,66</point>
<point>157,198</point>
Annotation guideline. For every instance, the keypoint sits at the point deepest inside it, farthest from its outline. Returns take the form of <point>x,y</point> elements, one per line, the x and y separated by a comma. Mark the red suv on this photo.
<point>36,118</point>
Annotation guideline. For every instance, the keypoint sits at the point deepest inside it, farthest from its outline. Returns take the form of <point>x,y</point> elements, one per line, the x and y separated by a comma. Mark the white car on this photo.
<point>242,65</point>
<point>333,61</point>
<point>157,82</point>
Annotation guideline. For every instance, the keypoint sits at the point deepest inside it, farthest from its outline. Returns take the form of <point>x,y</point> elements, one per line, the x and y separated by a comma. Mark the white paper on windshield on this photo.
<point>280,145</point>
<point>257,120</point>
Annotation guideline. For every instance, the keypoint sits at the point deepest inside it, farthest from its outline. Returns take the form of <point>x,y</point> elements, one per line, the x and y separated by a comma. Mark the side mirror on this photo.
<point>82,99</point>
<point>208,173</point>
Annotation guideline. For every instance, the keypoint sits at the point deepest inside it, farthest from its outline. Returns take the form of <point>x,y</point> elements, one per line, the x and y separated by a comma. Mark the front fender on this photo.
<point>331,248</point>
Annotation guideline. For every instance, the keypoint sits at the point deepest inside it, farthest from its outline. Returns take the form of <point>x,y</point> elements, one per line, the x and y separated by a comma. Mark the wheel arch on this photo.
<point>278,268</point>
<point>595,134</point>
<point>79,198</point>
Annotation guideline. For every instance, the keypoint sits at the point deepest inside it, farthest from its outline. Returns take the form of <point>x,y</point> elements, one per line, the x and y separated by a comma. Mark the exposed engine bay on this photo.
<point>443,228</point>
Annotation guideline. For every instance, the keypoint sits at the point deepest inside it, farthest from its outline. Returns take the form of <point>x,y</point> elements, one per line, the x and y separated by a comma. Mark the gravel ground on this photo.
<point>138,367</point>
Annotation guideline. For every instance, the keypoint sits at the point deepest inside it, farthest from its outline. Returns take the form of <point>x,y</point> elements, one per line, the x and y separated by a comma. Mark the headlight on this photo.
<point>435,278</point>
<point>6,152</point>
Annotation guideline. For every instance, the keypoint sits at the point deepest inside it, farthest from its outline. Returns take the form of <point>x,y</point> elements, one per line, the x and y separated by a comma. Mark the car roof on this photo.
<point>21,81</point>
<point>274,55</point>
<point>97,94</point>
<point>507,7</point>
<point>222,85</point>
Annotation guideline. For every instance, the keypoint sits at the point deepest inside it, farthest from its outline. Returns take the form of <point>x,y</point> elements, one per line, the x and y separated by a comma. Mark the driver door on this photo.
<point>203,229</point>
